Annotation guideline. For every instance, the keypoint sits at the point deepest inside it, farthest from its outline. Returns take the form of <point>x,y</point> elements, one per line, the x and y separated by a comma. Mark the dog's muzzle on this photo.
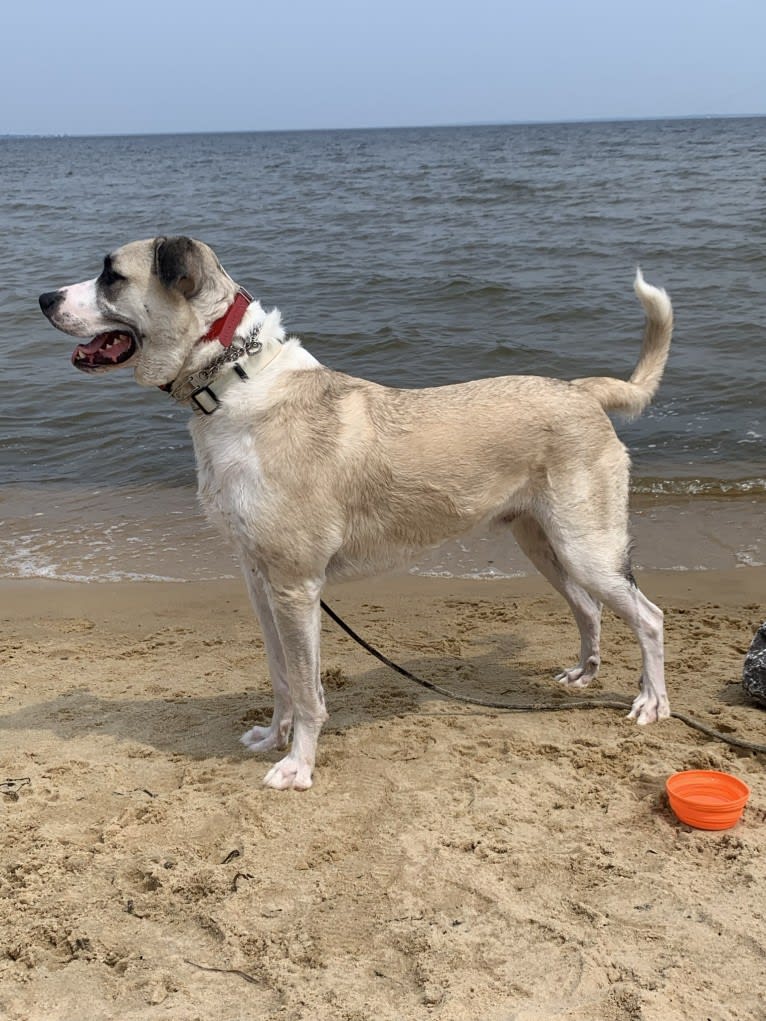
<point>105,351</point>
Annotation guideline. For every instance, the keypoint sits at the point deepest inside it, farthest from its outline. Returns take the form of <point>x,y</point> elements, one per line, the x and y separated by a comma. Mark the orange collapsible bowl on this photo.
<point>707,799</point>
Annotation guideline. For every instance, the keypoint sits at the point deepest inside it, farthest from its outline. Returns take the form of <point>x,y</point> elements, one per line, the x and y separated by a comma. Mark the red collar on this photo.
<point>223,329</point>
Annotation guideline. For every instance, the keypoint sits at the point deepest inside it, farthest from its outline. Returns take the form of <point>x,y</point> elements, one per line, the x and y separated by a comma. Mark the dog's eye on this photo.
<point>109,274</point>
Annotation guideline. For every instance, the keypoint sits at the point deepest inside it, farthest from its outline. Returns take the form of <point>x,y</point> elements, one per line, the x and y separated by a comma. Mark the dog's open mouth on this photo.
<point>105,351</point>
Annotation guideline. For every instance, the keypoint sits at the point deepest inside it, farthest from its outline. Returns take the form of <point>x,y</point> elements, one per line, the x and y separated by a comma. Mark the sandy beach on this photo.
<point>449,862</point>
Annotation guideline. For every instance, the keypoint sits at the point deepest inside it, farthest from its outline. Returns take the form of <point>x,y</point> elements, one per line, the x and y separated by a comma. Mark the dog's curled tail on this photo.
<point>632,397</point>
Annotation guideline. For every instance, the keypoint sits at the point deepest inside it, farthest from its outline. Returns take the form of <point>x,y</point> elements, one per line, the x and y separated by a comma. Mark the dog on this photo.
<point>315,476</point>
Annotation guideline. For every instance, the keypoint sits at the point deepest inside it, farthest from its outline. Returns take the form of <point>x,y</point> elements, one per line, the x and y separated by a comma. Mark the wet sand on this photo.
<point>146,533</point>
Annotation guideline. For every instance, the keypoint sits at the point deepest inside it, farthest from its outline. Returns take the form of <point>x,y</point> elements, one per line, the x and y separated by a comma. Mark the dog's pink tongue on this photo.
<point>92,346</point>
<point>103,349</point>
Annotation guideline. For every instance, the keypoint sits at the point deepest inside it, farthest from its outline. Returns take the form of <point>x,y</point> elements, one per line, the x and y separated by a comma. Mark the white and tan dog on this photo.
<point>314,475</point>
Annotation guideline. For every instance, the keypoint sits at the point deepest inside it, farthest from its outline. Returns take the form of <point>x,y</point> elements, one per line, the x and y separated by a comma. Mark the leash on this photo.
<point>534,707</point>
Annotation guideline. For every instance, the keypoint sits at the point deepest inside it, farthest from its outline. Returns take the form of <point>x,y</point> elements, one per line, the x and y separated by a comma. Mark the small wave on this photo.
<point>53,572</point>
<point>465,287</point>
<point>710,488</point>
<point>485,574</point>
<point>572,315</point>
<point>498,192</point>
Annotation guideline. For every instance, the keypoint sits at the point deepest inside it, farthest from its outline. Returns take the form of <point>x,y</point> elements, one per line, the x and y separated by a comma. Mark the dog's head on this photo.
<point>151,303</point>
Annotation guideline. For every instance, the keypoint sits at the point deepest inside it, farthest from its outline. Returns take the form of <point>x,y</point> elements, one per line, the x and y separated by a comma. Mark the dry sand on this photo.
<point>448,863</point>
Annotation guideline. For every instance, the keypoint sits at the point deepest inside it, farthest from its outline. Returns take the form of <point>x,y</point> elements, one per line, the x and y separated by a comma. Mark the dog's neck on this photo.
<point>236,347</point>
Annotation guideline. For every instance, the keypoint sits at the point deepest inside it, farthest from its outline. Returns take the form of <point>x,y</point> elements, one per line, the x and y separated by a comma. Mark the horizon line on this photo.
<point>390,127</point>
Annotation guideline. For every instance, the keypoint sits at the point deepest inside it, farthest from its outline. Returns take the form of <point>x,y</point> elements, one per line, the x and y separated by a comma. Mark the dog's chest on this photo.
<point>230,481</point>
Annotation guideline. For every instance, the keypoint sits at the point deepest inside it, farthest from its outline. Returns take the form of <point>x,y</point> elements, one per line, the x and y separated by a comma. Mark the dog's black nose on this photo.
<point>49,300</point>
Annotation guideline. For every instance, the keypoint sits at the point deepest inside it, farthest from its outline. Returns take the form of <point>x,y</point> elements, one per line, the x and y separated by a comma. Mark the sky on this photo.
<point>140,66</point>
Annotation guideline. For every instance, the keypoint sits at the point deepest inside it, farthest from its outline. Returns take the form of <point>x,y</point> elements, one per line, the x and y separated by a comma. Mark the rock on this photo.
<point>754,670</point>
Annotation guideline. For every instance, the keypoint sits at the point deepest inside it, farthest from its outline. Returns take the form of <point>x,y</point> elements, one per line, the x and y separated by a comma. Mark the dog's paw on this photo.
<point>289,774</point>
<point>264,739</point>
<point>579,676</point>
<point>648,707</point>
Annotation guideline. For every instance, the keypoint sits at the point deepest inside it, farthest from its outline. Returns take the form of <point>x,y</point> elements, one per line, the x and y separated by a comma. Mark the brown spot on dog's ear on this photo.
<point>178,264</point>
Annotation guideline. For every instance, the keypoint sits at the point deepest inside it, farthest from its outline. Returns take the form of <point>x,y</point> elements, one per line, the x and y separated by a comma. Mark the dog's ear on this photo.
<point>178,263</point>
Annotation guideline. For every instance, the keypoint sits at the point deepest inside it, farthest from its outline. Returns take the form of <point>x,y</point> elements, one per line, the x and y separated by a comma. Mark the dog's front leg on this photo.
<point>296,611</point>
<point>277,735</point>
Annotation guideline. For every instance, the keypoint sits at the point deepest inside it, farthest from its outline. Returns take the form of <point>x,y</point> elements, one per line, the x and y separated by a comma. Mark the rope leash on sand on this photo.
<point>535,707</point>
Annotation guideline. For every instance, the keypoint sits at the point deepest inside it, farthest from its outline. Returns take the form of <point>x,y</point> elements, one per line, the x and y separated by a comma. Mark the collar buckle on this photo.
<point>204,399</point>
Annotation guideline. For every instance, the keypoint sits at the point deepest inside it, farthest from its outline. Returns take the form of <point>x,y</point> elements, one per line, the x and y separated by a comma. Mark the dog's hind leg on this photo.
<point>296,613</point>
<point>277,734</point>
<point>597,561</point>
<point>624,598</point>
<point>586,610</point>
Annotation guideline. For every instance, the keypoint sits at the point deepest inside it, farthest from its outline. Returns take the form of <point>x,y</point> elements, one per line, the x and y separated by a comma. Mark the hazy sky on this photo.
<point>81,67</point>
